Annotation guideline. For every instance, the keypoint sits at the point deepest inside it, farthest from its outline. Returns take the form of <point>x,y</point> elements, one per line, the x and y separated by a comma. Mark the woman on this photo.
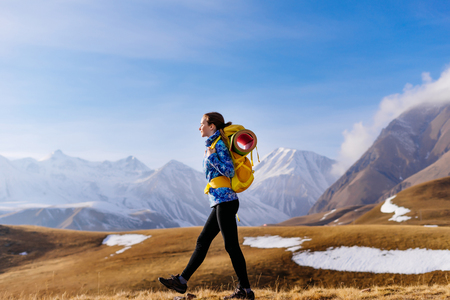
<point>224,203</point>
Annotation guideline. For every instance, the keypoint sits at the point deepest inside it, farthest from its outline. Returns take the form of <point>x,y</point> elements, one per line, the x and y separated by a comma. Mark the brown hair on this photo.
<point>218,120</point>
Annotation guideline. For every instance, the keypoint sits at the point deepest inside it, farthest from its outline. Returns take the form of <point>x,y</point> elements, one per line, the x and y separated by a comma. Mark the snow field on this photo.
<point>326,215</point>
<point>126,240</point>
<point>388,208</point>
<point>365,259</point>
<point>266,242</point>
<point>358,259</point>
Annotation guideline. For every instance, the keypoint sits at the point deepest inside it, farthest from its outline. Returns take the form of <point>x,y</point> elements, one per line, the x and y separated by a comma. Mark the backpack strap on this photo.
<point>213,145</point>
<point>251,155</point>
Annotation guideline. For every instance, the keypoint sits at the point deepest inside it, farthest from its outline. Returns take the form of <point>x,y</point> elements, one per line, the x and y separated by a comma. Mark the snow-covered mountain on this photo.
<point>66,192</point>
<point>176,190</point>
<point>292,180</point>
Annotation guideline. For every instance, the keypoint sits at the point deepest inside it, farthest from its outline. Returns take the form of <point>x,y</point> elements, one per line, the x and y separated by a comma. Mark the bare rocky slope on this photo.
<point>413,148</point>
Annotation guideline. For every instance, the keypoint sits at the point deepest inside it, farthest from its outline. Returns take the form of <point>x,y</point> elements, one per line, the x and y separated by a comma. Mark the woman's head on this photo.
<point>211,122</point>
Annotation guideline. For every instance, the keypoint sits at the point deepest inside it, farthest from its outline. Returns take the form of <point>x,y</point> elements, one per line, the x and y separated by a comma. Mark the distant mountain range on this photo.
<point>412,149</point>
<point>65,192</point>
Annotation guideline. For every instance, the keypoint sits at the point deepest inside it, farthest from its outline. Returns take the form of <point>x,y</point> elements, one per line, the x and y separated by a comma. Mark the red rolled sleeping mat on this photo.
<point>243,141</point>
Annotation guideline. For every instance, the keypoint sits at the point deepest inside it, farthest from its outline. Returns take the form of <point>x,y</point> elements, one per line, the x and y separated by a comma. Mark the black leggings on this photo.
<point>222,218</point>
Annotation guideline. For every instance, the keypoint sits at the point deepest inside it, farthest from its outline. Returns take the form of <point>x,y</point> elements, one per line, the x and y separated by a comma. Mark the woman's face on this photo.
<point>205,129</point>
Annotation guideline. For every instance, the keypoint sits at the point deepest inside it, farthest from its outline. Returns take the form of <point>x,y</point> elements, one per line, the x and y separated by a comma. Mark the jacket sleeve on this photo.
<point>221,160</point>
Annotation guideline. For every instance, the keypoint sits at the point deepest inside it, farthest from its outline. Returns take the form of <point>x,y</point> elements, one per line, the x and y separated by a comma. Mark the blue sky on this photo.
<point>108,79</point>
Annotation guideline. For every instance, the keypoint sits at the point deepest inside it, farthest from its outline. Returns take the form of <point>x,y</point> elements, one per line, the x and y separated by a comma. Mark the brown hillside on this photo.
<point>415,140</point>
<point>62,261</point>
<point>429,204</point>
<point>340,216</point>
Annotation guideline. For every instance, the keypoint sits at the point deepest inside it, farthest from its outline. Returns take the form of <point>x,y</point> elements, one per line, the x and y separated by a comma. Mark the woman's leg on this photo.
<point>227,223</point>
<point>209,232</point>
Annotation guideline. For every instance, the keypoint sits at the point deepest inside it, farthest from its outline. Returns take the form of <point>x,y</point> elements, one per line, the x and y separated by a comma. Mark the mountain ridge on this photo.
<point>68,192</point>
<point>409,144</point>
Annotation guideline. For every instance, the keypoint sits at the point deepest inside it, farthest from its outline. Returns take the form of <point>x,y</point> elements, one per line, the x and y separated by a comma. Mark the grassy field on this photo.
<point>76,263</point>
<point>314,293</point>
<point>65,264</point>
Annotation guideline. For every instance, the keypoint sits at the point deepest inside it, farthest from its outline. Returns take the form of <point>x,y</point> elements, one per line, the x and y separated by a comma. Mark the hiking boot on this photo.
<point>240,293</point>
<point>174,283</point>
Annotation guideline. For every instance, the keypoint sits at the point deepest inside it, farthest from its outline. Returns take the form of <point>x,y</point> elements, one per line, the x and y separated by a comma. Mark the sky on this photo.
<point>103,80</point>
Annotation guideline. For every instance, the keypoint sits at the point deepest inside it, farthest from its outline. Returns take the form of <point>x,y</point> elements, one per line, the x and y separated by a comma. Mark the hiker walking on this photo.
<point>225,204</point>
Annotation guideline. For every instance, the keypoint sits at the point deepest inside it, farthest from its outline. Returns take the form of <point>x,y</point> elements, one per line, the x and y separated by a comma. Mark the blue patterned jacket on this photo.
<point>219,164</point>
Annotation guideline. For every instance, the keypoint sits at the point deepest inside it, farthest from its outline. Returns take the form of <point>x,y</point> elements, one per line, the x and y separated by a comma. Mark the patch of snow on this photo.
<point>13,206</point>
<point>388,207</point>
<point>266,242</point>
<point>126,240</point>
<point>23,253</point>
<point>326,215</point>
<point>365,259</point>
<point>430,226</point>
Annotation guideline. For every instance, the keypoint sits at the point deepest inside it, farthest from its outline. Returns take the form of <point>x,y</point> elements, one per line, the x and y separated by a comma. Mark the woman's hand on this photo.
<point>210,151</point>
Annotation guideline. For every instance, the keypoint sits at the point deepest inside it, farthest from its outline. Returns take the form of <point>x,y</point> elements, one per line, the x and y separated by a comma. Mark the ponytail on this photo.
<point>225,139</point>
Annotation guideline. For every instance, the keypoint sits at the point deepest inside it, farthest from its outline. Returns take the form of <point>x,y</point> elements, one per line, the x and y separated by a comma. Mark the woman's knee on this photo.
<point>203,242</point>
<point>233,249</point>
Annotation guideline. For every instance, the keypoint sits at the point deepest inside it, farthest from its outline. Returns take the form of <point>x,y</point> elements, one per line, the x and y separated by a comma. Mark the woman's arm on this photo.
<point>221,160</point>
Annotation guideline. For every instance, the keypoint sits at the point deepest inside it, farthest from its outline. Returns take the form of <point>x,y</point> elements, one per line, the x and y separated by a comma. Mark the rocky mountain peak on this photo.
<point>410,143</point>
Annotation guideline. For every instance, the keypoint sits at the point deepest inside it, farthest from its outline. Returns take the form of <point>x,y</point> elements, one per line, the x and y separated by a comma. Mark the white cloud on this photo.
<point>361,137</point>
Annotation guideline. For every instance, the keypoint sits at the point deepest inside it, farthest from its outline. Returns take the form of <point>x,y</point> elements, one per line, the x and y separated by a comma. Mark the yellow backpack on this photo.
<point>242,142</point>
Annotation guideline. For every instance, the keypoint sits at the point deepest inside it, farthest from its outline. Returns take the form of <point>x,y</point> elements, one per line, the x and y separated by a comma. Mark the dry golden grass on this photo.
<point>76,263</point>
<point>65,264</point>
<point>296,293</point>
